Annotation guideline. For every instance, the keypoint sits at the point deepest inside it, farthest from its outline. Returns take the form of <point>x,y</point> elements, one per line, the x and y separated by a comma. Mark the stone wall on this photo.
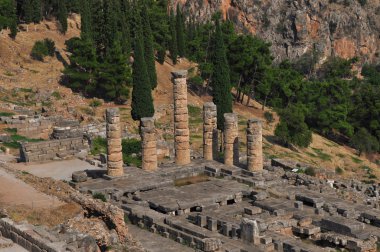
<point>28,238</point>
<point>54,149</point>
<point>37,127</point>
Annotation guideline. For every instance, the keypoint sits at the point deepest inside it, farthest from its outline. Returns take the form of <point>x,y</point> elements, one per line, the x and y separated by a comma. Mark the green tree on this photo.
<point>173,40</point>
<point>220,81</point>
<point>80,74</point>
<point>62,15</point>
<point>8,18</point>
<point>142,101</point>
<point>292,128</point>
<point>363,141</point>
<point>180,32</point>
<point>36,11</point>
<point>148,48</point>
<point>86,20</point>
<point>27,11</point>
<point>114,75</point>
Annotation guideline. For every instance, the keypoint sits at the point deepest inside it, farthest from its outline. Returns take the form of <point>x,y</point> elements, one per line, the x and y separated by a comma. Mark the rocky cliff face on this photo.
<point>344,28</point>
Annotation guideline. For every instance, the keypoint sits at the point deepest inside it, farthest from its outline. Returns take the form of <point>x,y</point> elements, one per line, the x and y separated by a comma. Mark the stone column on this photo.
<point>210,132</point>
<point>148,144</point>
<point>231,139</point>
<point>181,119</point>
<point>254,145</point>
<point>114,154</point>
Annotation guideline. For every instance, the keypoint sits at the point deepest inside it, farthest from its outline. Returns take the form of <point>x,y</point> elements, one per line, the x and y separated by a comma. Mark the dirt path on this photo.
<point>14,192</point>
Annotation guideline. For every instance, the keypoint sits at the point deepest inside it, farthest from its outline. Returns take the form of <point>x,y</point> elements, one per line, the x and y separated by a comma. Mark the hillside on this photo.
<point>344,28</point>
<point>31,83</point>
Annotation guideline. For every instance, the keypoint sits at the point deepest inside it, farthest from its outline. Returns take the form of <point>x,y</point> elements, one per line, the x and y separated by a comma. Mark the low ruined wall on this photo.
<point>27,238</point>
<point>49,150</point>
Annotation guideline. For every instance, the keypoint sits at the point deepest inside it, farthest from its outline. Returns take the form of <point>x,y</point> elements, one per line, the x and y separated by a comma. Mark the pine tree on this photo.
<point>180,33</point>
<point>98,27</point>
<point>80,75</point>
<point>173,42</point>
<point>62,15</point>
<point>220,80</point>
<point>114,75</point>
<point>142,101</point>
<point>86,21</point>
<point>36,11</point>
<point>110,23</point>
<point>28,11</point>
<point>8,18</point>
<point>148,48</point>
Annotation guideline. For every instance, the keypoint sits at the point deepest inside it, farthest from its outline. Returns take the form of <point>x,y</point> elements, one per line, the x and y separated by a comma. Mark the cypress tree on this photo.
<point>114,74</point>
<point>173,42</point>
<point>148,48</point>
<point>86,22</point>
<point>62,15</point>
<point>180,33</point>
<point>220,80</point>
<point>142,101</point>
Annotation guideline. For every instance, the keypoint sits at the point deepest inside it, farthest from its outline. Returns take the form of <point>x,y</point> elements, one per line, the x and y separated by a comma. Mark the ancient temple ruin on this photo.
<point>258,206</point>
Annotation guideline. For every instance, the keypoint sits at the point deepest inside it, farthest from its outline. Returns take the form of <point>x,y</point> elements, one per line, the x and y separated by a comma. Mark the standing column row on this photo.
<point>181,118</point>
<point>114,150</point>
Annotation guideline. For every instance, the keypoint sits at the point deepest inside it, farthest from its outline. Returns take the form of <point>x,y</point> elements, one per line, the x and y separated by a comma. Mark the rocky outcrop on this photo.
<point>343,28</point>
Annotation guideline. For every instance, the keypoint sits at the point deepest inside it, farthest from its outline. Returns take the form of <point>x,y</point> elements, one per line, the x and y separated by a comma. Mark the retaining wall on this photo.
<point>49,150</point>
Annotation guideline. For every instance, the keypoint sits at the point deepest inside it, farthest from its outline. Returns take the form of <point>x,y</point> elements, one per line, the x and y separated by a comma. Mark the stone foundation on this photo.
<point>254,145</point>
<point>114,149</point>
<point>148,144</point>
<point>181,119</point>
<point>210,132</point>
<point>231,139</point>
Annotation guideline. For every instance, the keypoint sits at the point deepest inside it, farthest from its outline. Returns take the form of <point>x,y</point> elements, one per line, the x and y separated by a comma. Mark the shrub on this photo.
<point>310,171</point>
<point>98,145</point>
<point>95,103</point>
<point>268,117</point>
<point>339,170</point>
<point>100,196</point>
<point>57,95</point>
<point>131,146</point>
<point>41,49</point>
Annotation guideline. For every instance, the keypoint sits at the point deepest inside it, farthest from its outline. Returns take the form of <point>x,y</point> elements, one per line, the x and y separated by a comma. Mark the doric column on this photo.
<point>114,153</point>
<point>181,119</point>
<point>148,144</point>
<point>254,145</point>
<point>210,132</point>
<point>231,139</point>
